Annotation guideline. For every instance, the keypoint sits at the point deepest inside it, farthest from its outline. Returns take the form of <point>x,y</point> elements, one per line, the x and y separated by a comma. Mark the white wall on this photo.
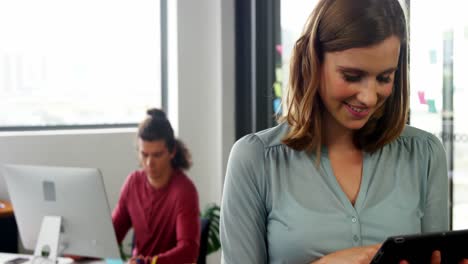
<point>206,87</point>
<point>206,90</point>
<point>205,111</point>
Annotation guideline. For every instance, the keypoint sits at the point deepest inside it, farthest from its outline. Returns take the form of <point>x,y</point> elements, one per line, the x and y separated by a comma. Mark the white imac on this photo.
<point>64,209</point>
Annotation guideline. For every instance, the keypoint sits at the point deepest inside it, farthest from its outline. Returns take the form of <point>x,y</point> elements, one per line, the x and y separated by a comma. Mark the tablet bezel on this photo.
<point>418,248</point>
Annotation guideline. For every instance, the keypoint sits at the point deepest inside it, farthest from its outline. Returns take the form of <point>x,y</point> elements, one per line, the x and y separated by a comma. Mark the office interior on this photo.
<point>223,69</point>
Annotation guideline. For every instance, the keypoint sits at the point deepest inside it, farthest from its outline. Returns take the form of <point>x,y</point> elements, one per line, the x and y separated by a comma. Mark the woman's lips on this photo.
<point>356,111</point>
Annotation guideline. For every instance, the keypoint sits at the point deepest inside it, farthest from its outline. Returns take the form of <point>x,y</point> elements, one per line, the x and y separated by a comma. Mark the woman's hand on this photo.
<point>355,255</point>
<point>436,259</point>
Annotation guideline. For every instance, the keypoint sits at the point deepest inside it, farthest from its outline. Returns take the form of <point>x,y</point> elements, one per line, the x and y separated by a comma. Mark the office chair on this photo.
<point>205,227</point>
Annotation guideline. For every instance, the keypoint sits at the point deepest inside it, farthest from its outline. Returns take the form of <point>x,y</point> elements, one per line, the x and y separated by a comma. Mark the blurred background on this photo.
<point>77,76</point>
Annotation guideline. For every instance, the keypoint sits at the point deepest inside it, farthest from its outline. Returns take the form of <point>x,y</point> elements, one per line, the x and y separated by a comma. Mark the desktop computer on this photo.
<point>61,209</point>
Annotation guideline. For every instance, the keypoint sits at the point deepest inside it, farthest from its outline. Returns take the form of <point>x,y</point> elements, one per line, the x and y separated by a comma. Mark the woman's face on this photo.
<point>356,82</point>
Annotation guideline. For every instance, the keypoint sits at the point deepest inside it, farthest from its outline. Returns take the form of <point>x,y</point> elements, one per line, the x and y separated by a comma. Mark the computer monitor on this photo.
<point>76,195</point>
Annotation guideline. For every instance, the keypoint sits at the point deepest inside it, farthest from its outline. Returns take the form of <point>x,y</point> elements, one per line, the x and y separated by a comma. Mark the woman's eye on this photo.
<point>384,79</point>
<point>352,78</point>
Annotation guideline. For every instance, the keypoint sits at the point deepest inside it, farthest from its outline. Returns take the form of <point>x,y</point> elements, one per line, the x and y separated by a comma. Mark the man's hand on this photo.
<point>140,260</point>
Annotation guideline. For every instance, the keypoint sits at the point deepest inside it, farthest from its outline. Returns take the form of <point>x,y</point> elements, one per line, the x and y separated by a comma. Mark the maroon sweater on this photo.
<point>166,221</point>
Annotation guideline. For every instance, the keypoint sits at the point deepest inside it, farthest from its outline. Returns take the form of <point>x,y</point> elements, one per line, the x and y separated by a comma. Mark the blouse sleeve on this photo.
<point>436,213</point>
<point>243,211</point>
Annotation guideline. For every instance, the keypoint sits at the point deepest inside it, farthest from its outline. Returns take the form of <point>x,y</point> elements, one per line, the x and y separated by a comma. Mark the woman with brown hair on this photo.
<point>342,172</point>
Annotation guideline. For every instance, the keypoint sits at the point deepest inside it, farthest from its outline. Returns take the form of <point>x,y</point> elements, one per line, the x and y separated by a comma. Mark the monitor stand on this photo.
<point>49,236</point>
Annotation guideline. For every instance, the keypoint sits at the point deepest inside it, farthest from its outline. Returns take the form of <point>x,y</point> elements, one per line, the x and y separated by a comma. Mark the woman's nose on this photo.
<point>368,93</point>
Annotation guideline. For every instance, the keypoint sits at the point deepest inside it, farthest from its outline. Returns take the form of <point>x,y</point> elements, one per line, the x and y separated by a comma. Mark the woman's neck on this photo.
<point>337,136</point>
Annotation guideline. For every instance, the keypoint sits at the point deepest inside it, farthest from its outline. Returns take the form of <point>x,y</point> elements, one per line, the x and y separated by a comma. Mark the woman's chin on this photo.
<point>355,124</point>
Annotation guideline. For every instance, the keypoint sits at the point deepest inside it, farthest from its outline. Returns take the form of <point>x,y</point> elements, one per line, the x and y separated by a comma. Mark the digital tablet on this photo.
<point>418,248</point>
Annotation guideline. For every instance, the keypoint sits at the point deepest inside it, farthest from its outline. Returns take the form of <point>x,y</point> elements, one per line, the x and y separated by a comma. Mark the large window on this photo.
<point>439,87</point>
<point>87,62</point>
<point>294,15</point>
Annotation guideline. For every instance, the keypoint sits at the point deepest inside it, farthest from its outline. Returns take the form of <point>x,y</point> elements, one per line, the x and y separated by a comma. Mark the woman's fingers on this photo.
<point>436,258</point>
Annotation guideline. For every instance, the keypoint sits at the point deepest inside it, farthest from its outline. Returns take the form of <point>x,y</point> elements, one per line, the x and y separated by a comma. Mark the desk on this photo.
<point>7,256</point>
<point>8,229</point>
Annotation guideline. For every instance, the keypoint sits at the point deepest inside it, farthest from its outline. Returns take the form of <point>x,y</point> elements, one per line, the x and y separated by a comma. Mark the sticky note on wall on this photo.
<point>433,57</point>
<point>279,74</point>
<point>277,89</point>
<point>422,97</point>
<point>277,105</point>
<point>431,105</point>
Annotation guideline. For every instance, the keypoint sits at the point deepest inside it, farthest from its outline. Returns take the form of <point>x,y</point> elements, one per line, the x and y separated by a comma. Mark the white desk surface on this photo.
<point>8,256</point>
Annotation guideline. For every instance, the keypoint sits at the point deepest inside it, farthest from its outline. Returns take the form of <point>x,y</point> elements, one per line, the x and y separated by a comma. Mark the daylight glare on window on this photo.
<point>88,62</point>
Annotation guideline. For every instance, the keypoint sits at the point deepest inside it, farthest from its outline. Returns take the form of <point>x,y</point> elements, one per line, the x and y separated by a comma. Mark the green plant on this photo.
<point>211,212</point>
<point>125,255</point>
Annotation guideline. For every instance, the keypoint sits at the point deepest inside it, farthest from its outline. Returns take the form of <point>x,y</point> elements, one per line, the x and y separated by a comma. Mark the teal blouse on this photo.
<point>278,207</point>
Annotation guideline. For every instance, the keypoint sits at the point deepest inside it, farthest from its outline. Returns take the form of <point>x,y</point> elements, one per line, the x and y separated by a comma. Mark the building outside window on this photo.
<point>75,63</point>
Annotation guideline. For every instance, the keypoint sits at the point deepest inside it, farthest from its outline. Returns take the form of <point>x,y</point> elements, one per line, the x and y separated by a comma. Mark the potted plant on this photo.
<point>211,213</point>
